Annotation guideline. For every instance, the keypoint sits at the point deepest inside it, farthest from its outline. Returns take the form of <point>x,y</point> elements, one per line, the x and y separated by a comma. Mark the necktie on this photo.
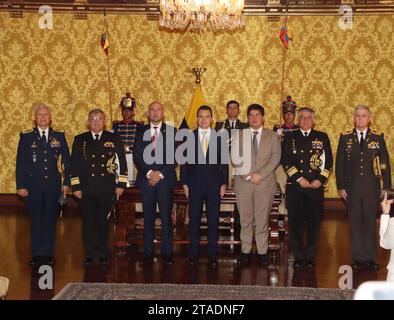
<point>204,142</point>
<point>155,137</point>
<point>96,137</point>
<point>361,139</point>
<point>232,125</point>
<point>255,143</point>
<point>43,137</point>
<point>305,134</point>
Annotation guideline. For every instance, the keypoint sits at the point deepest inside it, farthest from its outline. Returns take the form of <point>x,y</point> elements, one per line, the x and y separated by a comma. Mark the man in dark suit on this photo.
<point>307,160</point>
<point>42,158</point>
<point>154,156</point>
<point>94,182</point>
<point>204,177</point>
<point>362,164</point>
<point>232,122</point>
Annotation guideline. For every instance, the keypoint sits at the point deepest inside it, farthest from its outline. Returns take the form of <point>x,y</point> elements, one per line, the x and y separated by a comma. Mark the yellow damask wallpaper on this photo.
<point>326,68</point>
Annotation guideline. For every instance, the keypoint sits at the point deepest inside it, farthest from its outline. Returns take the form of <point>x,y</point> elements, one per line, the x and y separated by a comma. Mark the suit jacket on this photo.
<point>244,161</point>
<point>39,164</point>
<point>166,161</point>
<point>309,157</point>
<point>359,170</point>
<point>214,172</point>
<point>93,167</point>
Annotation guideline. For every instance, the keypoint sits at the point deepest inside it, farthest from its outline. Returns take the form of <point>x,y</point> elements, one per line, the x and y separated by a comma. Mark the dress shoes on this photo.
<point>243,259</point>
<point>263,259</point>
<point>146,260</point>
<point>49,260</point>
<point>297,264</point>
<point>167,259</point>
<point>103,261</point>
<point>193,262</point>
<point>88,262</point>
<point>310,265</point>
<point>357,265</point>
<point>35,260</point>
<point>212,262</point>
<point>372,265</point>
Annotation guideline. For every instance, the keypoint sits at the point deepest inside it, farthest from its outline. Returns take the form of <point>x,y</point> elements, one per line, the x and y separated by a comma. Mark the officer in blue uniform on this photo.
<point>126,129</point>
<point>43,158</point>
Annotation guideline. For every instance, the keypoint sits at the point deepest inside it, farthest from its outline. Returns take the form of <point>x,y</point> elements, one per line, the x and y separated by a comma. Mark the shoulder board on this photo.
<point>347,132</point>
<point>59,131</point>
<point>376,132</point>
<point>28,131</point>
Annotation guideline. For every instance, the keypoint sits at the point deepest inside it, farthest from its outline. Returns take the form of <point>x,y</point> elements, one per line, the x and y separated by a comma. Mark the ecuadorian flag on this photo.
<point>105,42</point>
<point>190,119</point>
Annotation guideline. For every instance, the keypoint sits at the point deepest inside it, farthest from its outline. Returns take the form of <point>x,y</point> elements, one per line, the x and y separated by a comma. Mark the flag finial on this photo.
<point>198,73</point>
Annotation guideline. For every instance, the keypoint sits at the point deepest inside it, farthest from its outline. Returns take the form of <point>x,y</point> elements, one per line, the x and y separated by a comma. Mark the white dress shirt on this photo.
<point>46,132</point>
<point>359,134</point>
<point>94,134</point>
<point>152,133</point>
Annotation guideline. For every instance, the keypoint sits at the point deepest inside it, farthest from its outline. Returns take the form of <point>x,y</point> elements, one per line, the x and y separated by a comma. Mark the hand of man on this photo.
<point>222,190</point>
<point>154,177</point>
<point>383,193</point>
<point>22,192</point>
<point>304,183</point>
<point>255,178</point>
<point>343,194</point>
<point>78,194</point>
<point>386,204</point>
<point>186,191</point>
<point>66,190</point>
<point>119,192</point>
<point>316,184</point>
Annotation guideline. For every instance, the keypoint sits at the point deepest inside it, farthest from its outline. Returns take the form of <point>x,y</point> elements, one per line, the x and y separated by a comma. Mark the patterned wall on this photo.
<point>327,68</point>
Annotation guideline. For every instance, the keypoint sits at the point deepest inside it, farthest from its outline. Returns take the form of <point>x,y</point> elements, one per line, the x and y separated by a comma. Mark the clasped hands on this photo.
<point>154,178</point>
<point>314,184</point>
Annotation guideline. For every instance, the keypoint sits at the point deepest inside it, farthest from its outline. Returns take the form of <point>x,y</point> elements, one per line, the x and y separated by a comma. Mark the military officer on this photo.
<point>43,157</point>
<point>232,122</point>
<point>126,129</point>
<point>362,174</point>
<point>288,111</point>
<point>94,182</point>
<point>307,159</point>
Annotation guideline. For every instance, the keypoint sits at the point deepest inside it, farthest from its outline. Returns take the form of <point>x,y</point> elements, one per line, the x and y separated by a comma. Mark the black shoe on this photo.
<point>34,261</point>
<point>372,265</point>
<point>357,265</point>
<point>88,262</point>
<point>192,262</point>
<point>103,261</point>
<point>263,259</point>
<point>167,259</point>
<point>243,259</point>
<point>213,262</point>
<point>49,260</point>
<point>297,264</point>
<point>147,260</point>
<point>310,265</point>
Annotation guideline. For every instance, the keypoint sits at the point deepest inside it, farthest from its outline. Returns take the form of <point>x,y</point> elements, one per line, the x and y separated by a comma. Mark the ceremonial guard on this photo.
<point>126,129</point>
<point>43,157</point>
<point>95,182</point>
<point>363,175</point>
<point>288,112</point>
<point>307,160</point>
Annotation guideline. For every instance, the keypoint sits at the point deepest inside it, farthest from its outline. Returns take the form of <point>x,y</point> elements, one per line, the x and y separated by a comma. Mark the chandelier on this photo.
<point>178,15</point>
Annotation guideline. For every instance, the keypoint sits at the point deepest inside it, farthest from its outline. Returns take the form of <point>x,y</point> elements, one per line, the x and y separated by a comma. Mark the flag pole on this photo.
<point>284,57</point>
<point>108,70</point>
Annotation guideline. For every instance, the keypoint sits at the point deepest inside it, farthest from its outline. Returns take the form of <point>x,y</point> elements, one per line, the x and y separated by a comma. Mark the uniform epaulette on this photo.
<point>141,122</point>
<point>56,130</point>
<point>115,122</point>
<point>28,131</point>
<point>347,132</point>
<point>376,132</point>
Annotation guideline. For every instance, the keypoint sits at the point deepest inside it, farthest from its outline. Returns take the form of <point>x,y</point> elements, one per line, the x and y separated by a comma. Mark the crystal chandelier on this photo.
<point>178,15</point>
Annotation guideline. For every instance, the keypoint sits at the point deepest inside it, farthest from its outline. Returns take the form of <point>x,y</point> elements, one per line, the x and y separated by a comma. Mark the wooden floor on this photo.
<point>333,251</point>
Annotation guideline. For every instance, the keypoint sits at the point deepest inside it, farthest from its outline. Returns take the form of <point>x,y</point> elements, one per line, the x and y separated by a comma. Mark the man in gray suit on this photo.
<point>255,154</point>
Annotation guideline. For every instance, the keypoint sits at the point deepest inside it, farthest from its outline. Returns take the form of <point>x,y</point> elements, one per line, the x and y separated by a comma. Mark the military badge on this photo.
<point>111,166</point>
<point>109,144</point>
<point>54,143</point>
<point>315,161</point>
<point>317,144</point>
<point>373,145</point>
<point>33,145</point>
<point>34,157</point>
